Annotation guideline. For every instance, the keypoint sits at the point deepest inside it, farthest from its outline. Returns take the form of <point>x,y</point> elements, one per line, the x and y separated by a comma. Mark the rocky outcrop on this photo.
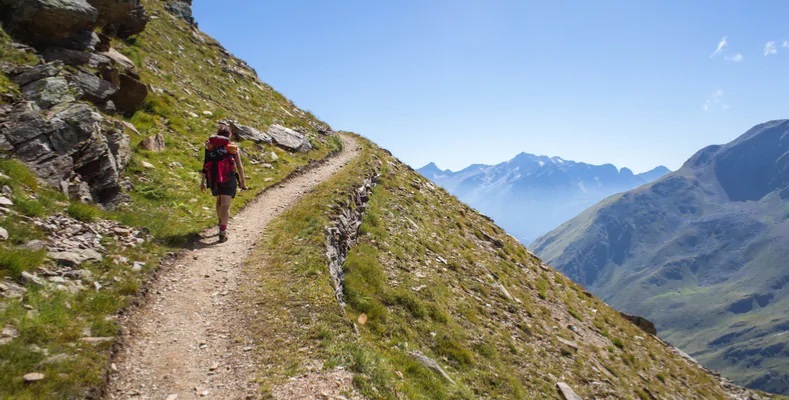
<point>289,139</point>
<point>131,93</point>
<point>65,141</point>
<point>123,18</point>
<point>641,322</point>
<point>247,132</point>
<point>41,22</point>
<point>70,23</point>
<point>181,9</point>
<point>70,146</point>
<point>93,88</point>
<point>344,232</point>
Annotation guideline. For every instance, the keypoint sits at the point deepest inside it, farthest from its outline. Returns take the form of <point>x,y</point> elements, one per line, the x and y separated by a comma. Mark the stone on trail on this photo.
<point>3,234</point>
<point>5,201</point>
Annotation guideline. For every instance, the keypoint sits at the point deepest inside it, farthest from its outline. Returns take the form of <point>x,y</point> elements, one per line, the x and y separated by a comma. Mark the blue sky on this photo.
<point>457,82</point>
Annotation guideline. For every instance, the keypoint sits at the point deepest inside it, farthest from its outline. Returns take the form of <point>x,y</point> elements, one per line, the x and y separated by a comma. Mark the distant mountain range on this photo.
<point>530,195</point>
<point>703,252</point>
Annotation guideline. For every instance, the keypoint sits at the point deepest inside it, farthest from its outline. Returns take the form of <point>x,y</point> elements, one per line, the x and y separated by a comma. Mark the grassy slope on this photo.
<point>492,345</point>
<point>185,66</point>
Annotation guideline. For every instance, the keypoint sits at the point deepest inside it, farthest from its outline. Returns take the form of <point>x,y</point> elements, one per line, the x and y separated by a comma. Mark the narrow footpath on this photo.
<point>187,341</point>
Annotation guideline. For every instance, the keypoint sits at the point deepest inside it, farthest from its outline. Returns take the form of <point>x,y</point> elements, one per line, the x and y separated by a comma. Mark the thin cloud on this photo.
<point>769,48</point>
<point>721,45</point>
<point>716,102</point>
<point>785,44</point>
<point>735,58</point>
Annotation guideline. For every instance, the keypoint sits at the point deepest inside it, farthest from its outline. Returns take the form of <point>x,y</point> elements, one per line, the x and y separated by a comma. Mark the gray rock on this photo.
<point>153,143</point>
<point>68,258</point>
<point>131,95</point>
<point>120,146</point>
<point>12,290</point>
<point>288,138</point>
<point>5,201</point>
<point>6,190</point>
<point>429,363</point>
<point>181,9</point>
<point>76,58</point>
<point>97,340</point>
<point>45,21</point>
<point>29,278</point>
<point>34,376</point>
<point>249,133</point>
<point>23,123</point>
<point>119,59</point>
<point>567,392</point>
<point>123,18</point>
<point>41,71</point>
<point>48,91</point>
<point>3,234</point>
<point>84,40</point>
<point>92,87</point>
<point>34,245</point>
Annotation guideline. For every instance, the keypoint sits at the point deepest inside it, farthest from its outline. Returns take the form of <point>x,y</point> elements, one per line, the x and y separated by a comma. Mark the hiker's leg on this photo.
<point>218,209</point>
<point>224,209</point>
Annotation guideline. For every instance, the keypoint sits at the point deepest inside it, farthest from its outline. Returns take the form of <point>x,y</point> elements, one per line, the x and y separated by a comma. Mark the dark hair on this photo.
<point>225,131</point>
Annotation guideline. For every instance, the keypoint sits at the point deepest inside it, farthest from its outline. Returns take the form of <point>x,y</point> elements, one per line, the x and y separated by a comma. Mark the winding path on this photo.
<point>186,342</point>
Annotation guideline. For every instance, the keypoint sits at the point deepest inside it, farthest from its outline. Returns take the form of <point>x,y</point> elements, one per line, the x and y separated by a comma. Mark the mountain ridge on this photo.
<point>531,194</point>
<point>703,242</point>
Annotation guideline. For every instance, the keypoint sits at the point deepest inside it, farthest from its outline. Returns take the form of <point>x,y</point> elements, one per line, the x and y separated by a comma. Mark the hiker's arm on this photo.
<point>240,168</point>
<point>202,181</point>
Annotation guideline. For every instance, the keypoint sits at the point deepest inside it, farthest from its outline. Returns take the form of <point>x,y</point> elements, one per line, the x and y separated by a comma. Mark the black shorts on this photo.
<point>227,188</point>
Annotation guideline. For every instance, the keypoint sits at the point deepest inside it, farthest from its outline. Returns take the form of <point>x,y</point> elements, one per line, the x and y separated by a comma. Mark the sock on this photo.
<point>222,228</point>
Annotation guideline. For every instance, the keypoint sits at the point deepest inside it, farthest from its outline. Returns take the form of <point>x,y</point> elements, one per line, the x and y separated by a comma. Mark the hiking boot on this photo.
<point>222,236</point>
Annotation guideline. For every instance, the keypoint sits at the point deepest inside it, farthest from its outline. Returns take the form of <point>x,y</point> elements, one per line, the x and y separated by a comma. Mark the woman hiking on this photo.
<point>223,172</point>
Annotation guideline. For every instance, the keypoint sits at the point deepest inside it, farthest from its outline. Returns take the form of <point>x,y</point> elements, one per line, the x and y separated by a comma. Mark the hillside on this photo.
<point>428,276</point>
<point>66,267</point>
<point>530,195</point>
<point>701,252</point>
<point>375,278</point>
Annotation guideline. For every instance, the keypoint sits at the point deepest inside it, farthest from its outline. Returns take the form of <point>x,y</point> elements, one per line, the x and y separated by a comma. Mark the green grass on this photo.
<point>166,201</point>
<point>455,313</point>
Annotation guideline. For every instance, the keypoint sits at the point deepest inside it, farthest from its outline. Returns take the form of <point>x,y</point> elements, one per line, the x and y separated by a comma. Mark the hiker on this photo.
<point>223,172</point>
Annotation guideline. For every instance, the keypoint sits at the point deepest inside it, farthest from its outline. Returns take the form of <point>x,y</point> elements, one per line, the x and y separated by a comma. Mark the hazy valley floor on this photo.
<point>188,340</point>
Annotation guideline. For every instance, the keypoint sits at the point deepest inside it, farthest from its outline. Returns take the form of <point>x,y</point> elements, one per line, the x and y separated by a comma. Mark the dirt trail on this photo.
<point>186,342</point>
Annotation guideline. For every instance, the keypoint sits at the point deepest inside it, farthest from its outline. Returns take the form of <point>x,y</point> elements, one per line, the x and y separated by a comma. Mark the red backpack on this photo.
<point>219,165</point>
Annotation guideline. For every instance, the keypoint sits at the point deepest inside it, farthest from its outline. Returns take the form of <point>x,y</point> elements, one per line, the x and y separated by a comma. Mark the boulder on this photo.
<point>120,146</point>
<point>131,95</point>
<point>153,143</point>
<point>76,58</point>
<point>248,133</point>
<point>38,72</point>
<point>181,9</point>
<point>85,40</point>
<point>641,322</point>
<point>48,91</point>
<point>23,124</point>
<point>289,139</point>
<point>3,234</point>
<point>46,21</point>
<point>93,88</point>
<point>119,59</point>
<point>122,18</point>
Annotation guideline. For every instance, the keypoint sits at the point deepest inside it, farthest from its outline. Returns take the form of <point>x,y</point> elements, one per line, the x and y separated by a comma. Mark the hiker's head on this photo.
<point>225,131</point>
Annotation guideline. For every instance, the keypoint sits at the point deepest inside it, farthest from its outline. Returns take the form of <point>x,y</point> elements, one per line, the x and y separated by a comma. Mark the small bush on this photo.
<point>15,261</point>
<point>618,343</point>
<point>29,207</point>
